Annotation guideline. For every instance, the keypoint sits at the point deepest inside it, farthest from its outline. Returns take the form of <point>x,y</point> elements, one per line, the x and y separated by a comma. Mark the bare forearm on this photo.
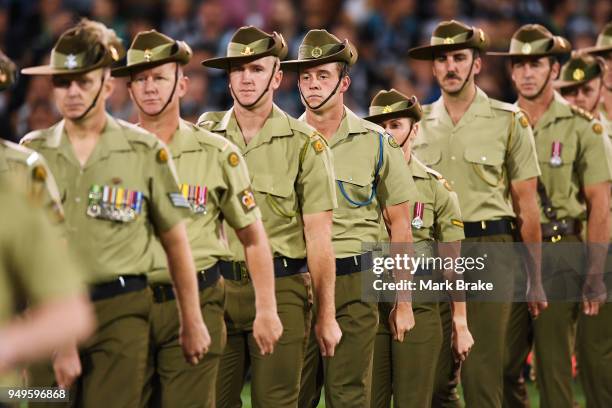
<point>258,257</point>
<point>597,237</point>
<point>401,244</point>
<point>322,267</point>
<point>452,250</point>
<point>47,328</point>
<point>261,268</point>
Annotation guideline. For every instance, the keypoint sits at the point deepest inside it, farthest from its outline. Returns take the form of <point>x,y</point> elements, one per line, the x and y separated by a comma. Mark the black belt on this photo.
<point>206,278</point>
<point>120,286</point>
<point>486,228</point>
<point>353,264</point>
<point>554,230</point>
<point>237,271</point>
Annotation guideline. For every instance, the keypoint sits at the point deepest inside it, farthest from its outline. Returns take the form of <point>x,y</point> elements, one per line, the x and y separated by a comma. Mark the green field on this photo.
<point>533,396</point>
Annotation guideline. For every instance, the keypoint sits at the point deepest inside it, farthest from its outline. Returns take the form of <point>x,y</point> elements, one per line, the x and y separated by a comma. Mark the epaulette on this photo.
<point>208,120</point>
<point>505,106</point>
<point>137,134</point>
<point>581,112</point>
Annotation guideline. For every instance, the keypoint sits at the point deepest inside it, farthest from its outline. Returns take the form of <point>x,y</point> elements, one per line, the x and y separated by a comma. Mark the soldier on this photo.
<point>574,184</point>
<point>582,83</point>
<point>25,167</point>
<point>373,183</point>
<point>34,268</point>
<point>407,370</point>
<point>119,187</point>
<point>603,49</point>
<point>215,181</point>
<point>292,182</point>
<point>486,149</point>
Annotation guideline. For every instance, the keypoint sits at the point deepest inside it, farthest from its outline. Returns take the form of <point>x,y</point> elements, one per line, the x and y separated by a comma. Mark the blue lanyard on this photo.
<point>374,183</point>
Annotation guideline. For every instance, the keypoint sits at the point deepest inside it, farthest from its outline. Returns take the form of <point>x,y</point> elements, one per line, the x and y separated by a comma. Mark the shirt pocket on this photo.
<point>488,165</point>
<point>428,155</point>
<point>354,186</point>
<point>277,191</point>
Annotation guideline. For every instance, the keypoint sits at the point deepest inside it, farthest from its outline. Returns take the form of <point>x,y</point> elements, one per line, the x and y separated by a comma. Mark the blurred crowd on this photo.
<point>383,31</point>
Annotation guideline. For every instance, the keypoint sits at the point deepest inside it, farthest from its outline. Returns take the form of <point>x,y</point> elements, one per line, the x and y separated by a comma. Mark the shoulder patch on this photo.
<point>247,199</point>
<point>392,141</point>
<point>581,112</point>
<point>162,155</point>
<point>39,173</point>
<point>597,128</point>
<point>233,159</point>
<point>318,145</point>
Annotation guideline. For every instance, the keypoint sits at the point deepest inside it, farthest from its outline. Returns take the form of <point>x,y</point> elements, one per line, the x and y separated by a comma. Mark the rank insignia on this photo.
<point>457,223</point>
<point>247,199</point>
<point>233,159</point>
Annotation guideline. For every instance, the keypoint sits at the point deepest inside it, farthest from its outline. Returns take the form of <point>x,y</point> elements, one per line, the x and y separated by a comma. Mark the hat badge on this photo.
<point>316,52</point>
<point>147,55</point>
<point>114,53</point>
<point>449,40</point>
<point>482,35</point>
<point>247,51</point>
<point>387,109</point>
<point>526,49</point>
<point>578,74</point>
<point>71,61</point>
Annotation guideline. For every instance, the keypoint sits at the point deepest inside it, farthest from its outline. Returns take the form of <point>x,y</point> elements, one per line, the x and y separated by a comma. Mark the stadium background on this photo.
<point>381,29</point>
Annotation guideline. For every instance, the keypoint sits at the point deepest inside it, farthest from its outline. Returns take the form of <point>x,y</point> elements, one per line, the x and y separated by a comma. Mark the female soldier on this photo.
<point>408,369</point>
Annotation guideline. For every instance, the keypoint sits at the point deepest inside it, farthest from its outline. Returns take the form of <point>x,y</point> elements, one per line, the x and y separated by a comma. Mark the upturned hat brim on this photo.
<point>225,62</point>
<point>49,70</point>
<point>181,57</point>
<point>403,113</point>
<point>345,55</point>
<point>427,52</point>
<point>594,50</point>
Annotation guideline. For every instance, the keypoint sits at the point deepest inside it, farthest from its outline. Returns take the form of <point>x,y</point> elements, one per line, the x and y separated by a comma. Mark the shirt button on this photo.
<point>452,157</point>
<point>484,158</point>
<point>78,199</point>
<point>452,182</point>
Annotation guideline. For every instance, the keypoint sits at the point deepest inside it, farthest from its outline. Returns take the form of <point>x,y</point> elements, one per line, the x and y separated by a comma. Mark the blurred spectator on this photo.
<point>382,30</point>
<point>119,104</point>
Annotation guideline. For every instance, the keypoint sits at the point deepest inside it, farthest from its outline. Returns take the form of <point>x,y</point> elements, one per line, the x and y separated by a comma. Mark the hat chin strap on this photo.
<point>407,137</point>
<point>250,105</point>
<point>95,100</point>
<point>163,108</point>
<point>319,106</point>
<point>537,95</point>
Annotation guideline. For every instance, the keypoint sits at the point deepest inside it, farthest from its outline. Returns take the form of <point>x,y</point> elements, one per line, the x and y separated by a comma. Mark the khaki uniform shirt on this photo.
<point>215,180</point>
<point>291,174</point>
<point>441,214</point>
<point>356,148</point>
<point>491,146</point>
<point>33,264</point>
<point>31,176</point>
<point>130,172</point>
<point>583,156</point>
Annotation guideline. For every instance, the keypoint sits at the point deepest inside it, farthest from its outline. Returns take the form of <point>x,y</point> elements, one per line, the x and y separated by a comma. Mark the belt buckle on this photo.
<point>244,274</point>
<point>159,294</point>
